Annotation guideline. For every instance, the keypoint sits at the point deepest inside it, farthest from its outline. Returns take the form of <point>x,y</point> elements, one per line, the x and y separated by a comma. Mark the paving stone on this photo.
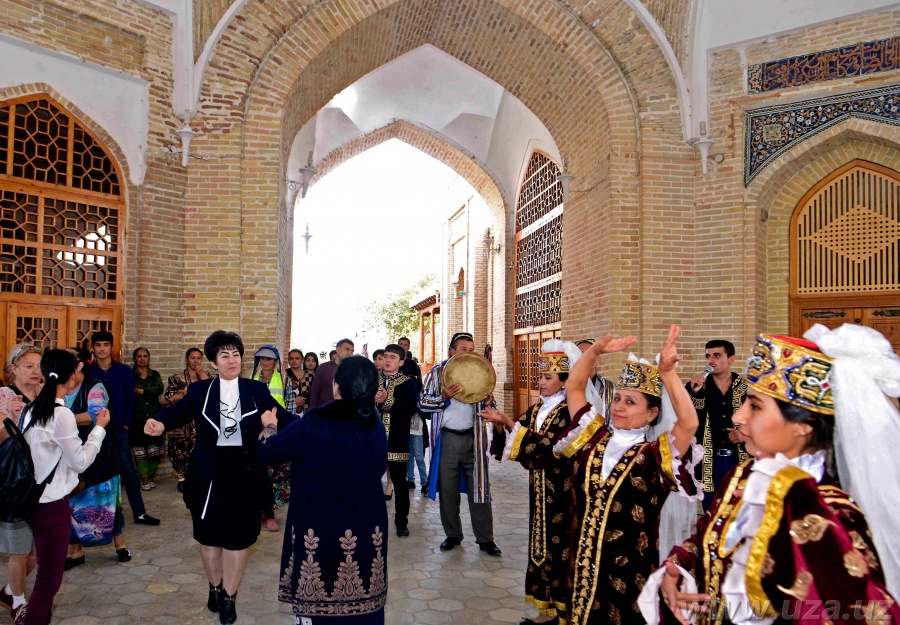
<point>165,584</point>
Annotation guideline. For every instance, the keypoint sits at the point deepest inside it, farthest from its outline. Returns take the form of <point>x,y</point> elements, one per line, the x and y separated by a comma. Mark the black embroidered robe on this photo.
<point>397,411</point>
<point>549,506</point>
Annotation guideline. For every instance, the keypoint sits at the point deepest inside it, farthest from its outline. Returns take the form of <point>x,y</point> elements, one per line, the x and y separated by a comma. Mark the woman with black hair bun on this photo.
<point>334,559</point>
<point>52,433</point>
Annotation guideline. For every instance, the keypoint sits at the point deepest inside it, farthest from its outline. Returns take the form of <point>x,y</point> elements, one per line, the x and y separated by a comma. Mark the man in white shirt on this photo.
<point>459,445</point>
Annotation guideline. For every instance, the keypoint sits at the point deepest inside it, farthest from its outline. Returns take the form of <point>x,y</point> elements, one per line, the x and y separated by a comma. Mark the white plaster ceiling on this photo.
<point>437,92</point>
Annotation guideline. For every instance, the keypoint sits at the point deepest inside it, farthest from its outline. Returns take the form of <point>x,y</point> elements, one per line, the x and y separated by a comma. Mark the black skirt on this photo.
<point>230,515</point>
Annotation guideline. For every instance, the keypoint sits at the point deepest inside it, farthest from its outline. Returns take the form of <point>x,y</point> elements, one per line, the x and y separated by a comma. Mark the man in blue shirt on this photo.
<point>119,382</point>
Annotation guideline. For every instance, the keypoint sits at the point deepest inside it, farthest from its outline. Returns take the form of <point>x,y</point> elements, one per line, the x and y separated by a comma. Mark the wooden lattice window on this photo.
<point>61,210</point>
<point>846,233</point>
<point>43,332</point>
<point>539,245</point>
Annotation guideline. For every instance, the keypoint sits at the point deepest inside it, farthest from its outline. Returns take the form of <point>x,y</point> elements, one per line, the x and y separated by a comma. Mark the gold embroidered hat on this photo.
<point>792,370</point>
<point>553,362</point>
<point>641,377</point>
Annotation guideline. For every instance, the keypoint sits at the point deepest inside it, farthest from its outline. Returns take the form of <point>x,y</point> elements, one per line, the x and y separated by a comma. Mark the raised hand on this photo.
<point>103,417</point>
<point>495,416</point>
<point>609,344</point>
<point>269,418</point>
<point>669,356</point>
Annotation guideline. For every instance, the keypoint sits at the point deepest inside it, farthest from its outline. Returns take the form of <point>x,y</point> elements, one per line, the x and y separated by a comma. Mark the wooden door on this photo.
<point>83,321</point>
<point>43,326</point>
<point>525,365</point>
<point>845,252</point>
<point>885,319</point>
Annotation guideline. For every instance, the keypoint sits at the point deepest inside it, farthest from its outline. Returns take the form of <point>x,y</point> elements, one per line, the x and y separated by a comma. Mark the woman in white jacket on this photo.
<point>51,432</point>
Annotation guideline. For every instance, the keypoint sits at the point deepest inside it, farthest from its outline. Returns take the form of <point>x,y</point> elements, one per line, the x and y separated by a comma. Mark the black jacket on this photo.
<point>201,405</point>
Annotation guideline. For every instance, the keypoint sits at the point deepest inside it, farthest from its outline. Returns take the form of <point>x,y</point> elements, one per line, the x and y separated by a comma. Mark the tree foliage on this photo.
<point>393,314</point>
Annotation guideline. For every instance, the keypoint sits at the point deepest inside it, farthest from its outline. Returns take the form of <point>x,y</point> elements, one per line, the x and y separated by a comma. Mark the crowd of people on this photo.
<point>790,462</point>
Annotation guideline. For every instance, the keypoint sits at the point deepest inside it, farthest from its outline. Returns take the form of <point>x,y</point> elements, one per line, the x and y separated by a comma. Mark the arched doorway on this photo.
<point>62,215</point>
<point>538,277</point>
<point>845,251</point>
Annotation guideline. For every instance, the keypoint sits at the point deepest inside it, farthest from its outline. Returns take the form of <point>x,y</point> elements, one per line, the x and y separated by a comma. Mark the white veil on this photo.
<point>678,516</point>
<point>573,353</point>
<point>867,430</point>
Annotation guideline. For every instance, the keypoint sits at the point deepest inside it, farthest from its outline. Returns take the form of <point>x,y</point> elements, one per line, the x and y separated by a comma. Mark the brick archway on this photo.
<point>604,98</point>
<point>773,197</point>
<point>435,146</point>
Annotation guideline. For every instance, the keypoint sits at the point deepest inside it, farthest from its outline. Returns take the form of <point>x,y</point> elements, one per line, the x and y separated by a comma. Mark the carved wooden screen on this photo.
<point>538,278</point>
<point>61,223</point>
<point>845,251</point>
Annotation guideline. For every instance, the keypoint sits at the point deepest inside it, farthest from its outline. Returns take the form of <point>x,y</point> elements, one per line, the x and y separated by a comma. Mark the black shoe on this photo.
<point>491,547</point>
<point>180,486</point>
<point>71,563</point>
<point>214,603</point>
<point>228,613</point>
<point>388,497</point>
<point>411,485</point>
<point>449,543</point>
<point>146,519</point>
<point>124,554</point>
<point>424,489</point>
<point>402,531</point>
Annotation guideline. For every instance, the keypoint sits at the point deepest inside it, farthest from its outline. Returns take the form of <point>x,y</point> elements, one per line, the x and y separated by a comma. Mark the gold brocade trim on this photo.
<point>538,543</point>
<point>395,457</point>
<point>592,541</point>
<point>739,390</point>
<point>582,439</point>
<point>778,488</point>
<point>710,545</point>
<point>517,443</point>
<point>666,454</point>
<point>392,383</point>
<point>545,608</point>
<point>722,551</point>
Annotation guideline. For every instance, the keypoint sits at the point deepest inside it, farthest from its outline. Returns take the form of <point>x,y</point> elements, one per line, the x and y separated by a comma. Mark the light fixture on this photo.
<point>565,179</point>
<point>186,134</point>
<point>307,172</point>
<point>306,236</point>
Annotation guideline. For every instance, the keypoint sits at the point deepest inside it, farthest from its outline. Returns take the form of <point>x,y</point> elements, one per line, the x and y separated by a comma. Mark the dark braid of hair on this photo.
<point>57,365</point>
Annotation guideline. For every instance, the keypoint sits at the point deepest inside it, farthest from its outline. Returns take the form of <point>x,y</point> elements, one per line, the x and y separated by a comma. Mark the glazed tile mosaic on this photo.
<point>775,129</point>
<point>860,59</point>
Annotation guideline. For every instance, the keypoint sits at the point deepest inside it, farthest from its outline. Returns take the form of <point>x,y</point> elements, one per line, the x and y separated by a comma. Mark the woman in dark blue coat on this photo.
<point>224,477</point>
<point>334,561</point>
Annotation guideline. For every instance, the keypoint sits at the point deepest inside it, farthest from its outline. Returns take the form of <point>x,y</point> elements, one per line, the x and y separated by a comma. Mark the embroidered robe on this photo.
<point>549,506</point>
<point>615,532</point>
<point>397,411</point>
<point>812,561</point>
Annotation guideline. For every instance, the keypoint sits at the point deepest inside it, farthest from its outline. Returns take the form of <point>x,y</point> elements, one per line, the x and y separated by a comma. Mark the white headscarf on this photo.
<point>867,430</point>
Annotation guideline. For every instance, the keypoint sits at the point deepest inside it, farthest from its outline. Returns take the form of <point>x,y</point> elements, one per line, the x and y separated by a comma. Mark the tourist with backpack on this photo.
<point>56,450</point>
<point>23,372</point>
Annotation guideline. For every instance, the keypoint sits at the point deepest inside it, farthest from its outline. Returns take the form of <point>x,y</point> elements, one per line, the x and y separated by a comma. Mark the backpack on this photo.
<point>20,493</point>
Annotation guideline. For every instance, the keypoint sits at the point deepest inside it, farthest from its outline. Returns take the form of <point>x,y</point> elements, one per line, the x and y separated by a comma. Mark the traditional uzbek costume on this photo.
<point>550,478</point>
<point>782,542</point>
<point>619,482</point>
<point>397,410</point>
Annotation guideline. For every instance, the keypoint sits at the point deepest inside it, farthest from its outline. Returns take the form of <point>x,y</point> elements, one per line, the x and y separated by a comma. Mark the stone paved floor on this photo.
<point>165,584</point>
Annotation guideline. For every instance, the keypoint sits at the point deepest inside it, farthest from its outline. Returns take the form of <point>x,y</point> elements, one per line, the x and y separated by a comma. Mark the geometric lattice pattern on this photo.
<point>18,269</point>
<point>40,146</point>
<point>540,306</point>
<point>538,245</point>
<point>92,169</point>
<point>848,236</point>
<point>539,255</point>
<point>42,332</point>
<point>48,245</point>
<point>85,327</point>
<point>541,191</point>
<point>18,216</point>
